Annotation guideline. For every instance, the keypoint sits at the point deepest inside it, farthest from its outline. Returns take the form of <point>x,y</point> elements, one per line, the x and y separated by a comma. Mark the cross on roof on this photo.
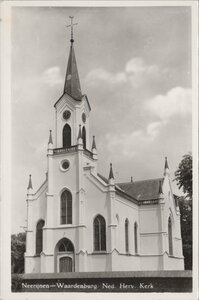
<point>71,25</point>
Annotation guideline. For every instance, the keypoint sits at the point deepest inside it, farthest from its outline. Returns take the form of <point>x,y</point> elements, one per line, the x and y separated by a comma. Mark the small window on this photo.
<point>170,238</point>
<point>127,235</point>
<point>136,237</point>
<point>65,164</point>
<point>62,248</point>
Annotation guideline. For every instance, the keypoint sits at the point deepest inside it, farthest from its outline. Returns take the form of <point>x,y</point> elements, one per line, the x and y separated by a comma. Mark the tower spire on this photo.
<point>94,144</point>
<point>166,167</point>
<point>111,172</point>
<point>72,83</point>
<point>30,183</point>
<point>50,138</point>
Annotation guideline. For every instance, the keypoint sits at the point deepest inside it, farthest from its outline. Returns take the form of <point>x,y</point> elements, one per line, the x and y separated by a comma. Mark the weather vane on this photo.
<point>71,25</point>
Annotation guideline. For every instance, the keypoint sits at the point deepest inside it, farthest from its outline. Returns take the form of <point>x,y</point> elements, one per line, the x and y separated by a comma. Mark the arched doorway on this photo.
<point>66,136</point>
<point>64,256</point>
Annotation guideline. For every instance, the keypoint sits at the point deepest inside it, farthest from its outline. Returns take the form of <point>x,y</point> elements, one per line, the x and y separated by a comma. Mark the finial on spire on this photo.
<point>94,144</point>
<point>71,26</point>
<point>80,132</point>
<point>50,138</point>
<point>30,183</point>
<point>111,172</point>
<point>166,163</point>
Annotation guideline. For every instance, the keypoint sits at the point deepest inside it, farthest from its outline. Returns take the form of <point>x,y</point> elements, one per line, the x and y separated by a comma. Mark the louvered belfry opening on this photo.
<point>84,137</point>
<point>66,136</point>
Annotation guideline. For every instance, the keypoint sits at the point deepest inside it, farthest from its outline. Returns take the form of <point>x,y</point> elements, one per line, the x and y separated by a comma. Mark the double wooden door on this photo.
<point>65,264</point>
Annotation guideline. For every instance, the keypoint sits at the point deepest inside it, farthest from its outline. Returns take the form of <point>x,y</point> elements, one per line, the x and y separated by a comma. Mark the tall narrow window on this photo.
<point>127,235</point>
<point>66,207</point>
<point>99,225</point>
<point>39,237</point>
<point>84,137</point>
<point>136,237</point>
<point>66,136</point>
<point>170,238</point>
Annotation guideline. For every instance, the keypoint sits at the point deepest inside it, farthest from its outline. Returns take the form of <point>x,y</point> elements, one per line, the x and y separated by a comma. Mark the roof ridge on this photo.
<point>129,182</point>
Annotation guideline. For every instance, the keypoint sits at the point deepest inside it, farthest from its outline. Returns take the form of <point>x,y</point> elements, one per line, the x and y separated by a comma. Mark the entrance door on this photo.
<point>65,264</point>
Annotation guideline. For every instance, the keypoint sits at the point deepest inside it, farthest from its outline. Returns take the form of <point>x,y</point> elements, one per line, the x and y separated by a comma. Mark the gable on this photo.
<point>75,101</point>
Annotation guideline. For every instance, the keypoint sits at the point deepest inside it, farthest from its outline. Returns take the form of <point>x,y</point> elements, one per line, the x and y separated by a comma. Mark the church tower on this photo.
<point>72,108</point>
<point>68,155</point>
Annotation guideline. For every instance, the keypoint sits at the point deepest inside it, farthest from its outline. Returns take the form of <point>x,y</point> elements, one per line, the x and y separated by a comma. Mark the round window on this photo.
<point>66,114</point>
<point>65,165</point>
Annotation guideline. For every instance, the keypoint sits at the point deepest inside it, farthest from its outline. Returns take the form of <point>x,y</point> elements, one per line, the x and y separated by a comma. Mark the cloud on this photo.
<point>136,72</point>
<point>130,144</point>
<point>177,102</point>
<point>95,77</point>
<point>52,76</point>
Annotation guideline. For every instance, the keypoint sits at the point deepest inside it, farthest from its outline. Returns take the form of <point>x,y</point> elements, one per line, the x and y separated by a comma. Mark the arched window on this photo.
<point>65,245</point>
<point>84,137</point>
<point>127,235</point>
<point>66,207</point>
<point>170,238</point>
<point>66,136</point>
<point>39,237</point>
<point>136,237</point>
<point>99,225</point>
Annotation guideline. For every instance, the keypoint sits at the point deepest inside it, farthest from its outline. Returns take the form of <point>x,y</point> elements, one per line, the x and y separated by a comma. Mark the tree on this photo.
<point>183,176</point>
<point>186,230</point>
<point>18,245</point>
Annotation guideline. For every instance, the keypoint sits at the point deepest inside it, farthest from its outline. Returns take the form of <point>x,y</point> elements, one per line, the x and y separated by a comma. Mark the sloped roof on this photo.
<point>72,82</point>
<point>139,190</point>
<point>143,190</point>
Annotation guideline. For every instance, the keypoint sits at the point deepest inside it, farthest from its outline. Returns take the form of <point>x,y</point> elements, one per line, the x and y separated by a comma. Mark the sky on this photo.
<point>134,66</point>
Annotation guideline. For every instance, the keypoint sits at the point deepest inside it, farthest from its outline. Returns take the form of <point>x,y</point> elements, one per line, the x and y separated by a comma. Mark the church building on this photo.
<point>80,221</point>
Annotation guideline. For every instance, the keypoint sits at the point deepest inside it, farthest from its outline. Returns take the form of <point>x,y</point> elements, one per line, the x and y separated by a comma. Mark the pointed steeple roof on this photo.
<point>50,138</point>
<point>72,83</point>
<point>166,164</point>
<point>111,172</point>
<point>94,144</point>
<point>166,167</point>
<point>30,183</point>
